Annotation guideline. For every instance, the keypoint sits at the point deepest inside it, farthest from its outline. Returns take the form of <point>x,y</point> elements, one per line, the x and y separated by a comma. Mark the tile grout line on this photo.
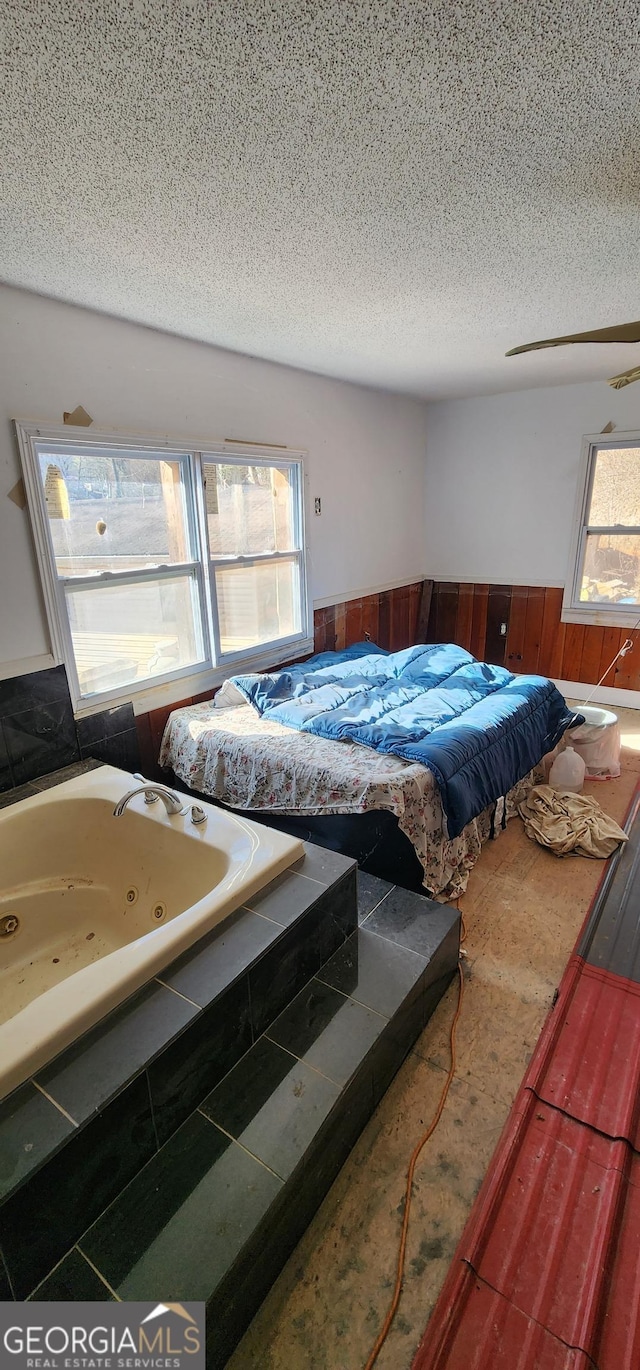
<point>55,1103</point>
<point>313,880</point>
<point>343,995</point>
<point>266,917</point>
<point>97,1272</point>
<point>5,1268</point>
<point>380,901</point>
<point>246,1150</point>
<point>178,994</point>
<point>401,945</point>
<point>320,883</point>
<point>302,1061</point>
<point>360,1002</point>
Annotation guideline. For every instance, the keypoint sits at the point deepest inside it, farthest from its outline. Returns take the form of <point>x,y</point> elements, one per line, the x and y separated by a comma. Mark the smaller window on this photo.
<point>605,569</point>
<point>254,531</point>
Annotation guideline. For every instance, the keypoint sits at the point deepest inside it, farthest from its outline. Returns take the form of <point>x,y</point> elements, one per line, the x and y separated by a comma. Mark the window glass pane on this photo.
<point>615,497</point>
<point>250,509</point>
<point>112,513</point>
<point>611,572</point>
<point>126,633</point>
<point>257,603</point>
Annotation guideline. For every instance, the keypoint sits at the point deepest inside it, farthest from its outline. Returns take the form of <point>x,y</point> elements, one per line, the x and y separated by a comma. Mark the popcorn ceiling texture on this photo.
<point>392,192</point>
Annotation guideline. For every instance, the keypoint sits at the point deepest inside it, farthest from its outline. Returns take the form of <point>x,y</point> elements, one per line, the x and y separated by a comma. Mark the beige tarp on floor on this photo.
<point>567,822</point>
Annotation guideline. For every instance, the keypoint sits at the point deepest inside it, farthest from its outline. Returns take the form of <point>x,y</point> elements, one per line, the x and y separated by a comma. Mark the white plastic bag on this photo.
<point>597,741</point>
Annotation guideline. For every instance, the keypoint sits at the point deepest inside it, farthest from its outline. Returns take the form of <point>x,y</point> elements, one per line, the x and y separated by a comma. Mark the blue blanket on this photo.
<point>478,728</point>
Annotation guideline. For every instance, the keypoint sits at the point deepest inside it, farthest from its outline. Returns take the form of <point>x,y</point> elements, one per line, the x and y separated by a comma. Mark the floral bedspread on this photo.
<point>248,762</point>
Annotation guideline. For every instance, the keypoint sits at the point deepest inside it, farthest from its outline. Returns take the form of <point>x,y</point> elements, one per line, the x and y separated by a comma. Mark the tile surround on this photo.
<point>273,1104</point>
<point>303,948</point>
<point>174,1041</point>
<point>39,735</point>
<point>280,1129</point>
<point>220,958</point>
<point>201,1186</point>
<point>327,1030</point>
<point>221,1204</point>
<point>39,740</point>
<point>32,1129</point>
<point>73,1281</point>
<point>85,1077</point>
<point>378,977</point>
<point>294,931</point>
<point>43,1219</point>
<point>203,1053</point>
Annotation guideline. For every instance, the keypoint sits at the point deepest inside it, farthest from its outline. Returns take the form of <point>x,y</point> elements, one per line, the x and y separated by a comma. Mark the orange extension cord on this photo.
<point>415,1155</point>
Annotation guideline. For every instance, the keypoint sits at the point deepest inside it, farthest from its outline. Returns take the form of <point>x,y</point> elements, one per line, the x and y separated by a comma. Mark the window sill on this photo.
<point>602,615</point>
<point>148,696</point>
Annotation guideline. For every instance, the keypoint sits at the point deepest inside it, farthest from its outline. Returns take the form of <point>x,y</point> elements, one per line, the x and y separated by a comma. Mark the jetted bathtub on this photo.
<point>92,906</point>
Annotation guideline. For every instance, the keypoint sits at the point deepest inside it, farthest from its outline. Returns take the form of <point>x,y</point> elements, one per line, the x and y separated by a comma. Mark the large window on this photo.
<point>162,562</point>
<point>604,584</point>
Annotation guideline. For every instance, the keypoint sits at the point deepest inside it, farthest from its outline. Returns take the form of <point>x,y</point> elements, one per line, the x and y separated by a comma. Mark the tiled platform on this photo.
<point>214,1212</point>
<point>72,1137</point>
<point>181,1147</point>
<point>224,1202</point>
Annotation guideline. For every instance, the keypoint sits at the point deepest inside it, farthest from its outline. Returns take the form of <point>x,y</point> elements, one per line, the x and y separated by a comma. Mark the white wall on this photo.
<point>502,474</point>
<point>366,448</point>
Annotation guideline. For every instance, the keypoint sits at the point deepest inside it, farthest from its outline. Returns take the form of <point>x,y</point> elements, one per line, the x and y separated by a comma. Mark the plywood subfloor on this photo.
<point>523,910</point>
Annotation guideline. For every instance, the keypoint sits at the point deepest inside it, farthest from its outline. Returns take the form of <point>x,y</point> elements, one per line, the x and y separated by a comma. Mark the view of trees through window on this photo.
<point>611,566</point>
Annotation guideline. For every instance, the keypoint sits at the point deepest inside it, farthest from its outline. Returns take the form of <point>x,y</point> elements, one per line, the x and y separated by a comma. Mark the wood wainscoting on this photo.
<point>474,616</point>
<point>535,641</point>
<point>392,619</point>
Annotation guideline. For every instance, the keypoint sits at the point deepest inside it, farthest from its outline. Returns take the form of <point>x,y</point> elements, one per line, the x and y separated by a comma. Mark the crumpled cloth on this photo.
<point>567,822</point>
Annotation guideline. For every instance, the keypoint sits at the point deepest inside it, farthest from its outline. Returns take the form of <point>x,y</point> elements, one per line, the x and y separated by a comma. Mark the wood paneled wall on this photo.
<point>390,619</point>
<point>536,641</point>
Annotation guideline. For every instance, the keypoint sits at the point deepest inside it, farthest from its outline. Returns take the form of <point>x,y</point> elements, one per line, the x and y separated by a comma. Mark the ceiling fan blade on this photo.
<point>625,378</point>
<point>623,332</point>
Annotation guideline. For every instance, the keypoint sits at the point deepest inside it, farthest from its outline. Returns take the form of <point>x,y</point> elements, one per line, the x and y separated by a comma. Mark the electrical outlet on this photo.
<point>317,503</point>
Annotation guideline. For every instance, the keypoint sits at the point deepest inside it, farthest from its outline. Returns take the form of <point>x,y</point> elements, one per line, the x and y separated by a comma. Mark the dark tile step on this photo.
<point>216,1212</point>
<point>135,1078</point>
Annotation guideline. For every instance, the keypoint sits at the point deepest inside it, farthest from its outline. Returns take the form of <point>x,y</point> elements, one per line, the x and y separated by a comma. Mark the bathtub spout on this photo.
<point>170,800</point>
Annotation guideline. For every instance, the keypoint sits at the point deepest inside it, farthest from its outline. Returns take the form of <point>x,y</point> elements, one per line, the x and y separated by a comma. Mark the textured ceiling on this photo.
<point>393,192</point>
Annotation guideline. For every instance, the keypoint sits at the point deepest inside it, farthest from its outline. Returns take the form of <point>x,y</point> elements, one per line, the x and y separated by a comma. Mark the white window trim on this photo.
<point>573,609</point>
<point>193,679</point>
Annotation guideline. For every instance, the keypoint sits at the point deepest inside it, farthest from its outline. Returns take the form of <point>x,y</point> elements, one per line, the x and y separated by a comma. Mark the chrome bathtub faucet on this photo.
<point>151,793</point>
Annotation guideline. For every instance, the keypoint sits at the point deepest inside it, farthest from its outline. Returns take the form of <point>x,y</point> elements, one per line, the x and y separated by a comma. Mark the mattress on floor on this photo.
<point>248,762</point>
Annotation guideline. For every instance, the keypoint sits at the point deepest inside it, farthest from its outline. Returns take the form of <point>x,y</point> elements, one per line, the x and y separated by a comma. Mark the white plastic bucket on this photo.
<point>597,741</point>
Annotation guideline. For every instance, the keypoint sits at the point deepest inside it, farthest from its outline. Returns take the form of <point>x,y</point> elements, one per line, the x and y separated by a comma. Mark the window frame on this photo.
<point>575,610</point>
<point>278,458</point>
<point>215,665</point>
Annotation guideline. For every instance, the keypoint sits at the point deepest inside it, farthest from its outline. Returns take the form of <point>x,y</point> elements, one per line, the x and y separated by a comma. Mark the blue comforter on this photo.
<point>478,728</point>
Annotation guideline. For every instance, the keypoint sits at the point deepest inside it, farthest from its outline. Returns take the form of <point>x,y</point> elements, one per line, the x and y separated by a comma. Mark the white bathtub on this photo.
<point>92,906</point>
